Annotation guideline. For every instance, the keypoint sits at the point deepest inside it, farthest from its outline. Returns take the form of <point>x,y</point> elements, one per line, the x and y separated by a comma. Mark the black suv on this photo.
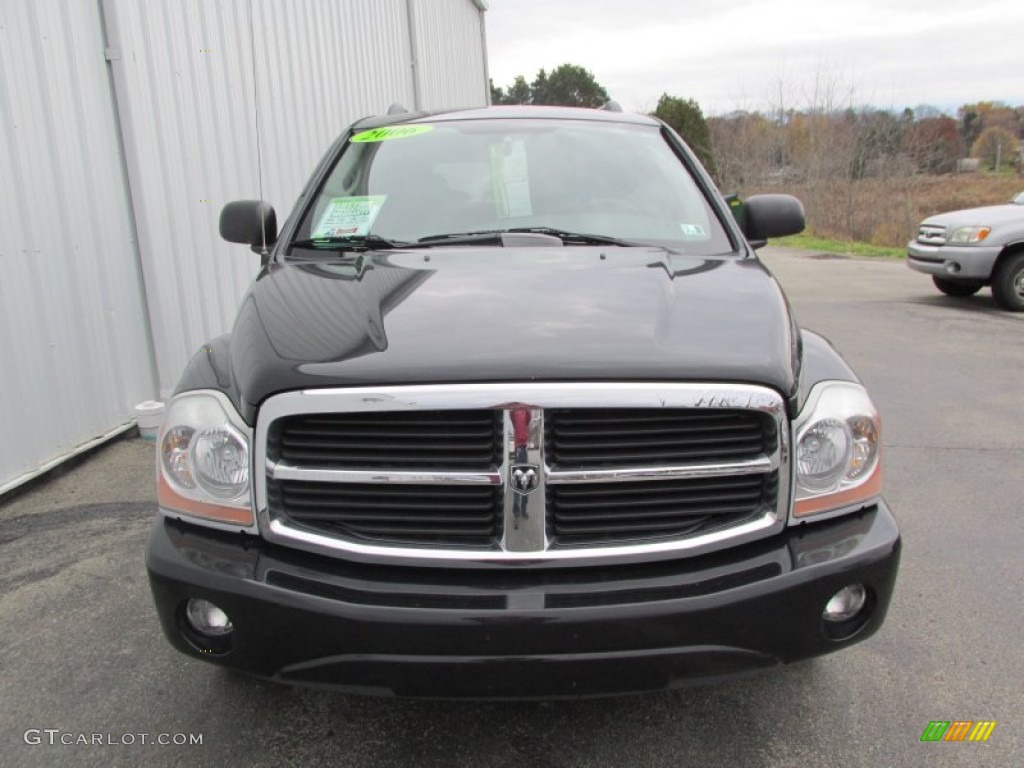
<point>513,409</point>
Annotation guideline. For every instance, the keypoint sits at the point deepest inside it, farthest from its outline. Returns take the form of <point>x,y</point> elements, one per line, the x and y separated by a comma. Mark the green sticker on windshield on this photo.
<point>389,132</point>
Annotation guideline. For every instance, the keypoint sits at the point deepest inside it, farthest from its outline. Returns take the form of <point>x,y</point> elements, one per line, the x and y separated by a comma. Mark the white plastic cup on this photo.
<point>150,415</point>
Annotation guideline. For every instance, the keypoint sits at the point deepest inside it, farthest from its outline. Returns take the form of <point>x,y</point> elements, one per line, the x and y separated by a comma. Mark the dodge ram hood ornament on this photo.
<point>524,478</point>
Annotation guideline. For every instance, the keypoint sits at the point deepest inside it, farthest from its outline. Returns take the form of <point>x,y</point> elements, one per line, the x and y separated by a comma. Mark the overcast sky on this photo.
<point>741,54</point>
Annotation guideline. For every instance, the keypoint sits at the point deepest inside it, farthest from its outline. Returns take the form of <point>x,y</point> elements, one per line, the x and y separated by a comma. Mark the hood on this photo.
<point>990,215</point>
<point>511,314</point>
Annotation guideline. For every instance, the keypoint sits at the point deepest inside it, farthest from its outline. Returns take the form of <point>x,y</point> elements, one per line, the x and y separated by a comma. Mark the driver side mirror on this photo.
<point>251,222</point>
<point>767,216</point>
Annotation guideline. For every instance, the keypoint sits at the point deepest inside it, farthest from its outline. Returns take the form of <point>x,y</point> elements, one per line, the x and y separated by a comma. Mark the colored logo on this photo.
<point>958,730</point>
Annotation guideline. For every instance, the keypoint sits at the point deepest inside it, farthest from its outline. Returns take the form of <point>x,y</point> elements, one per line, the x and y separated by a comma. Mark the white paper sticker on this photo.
<point>511,180</point>
<point>693,230</point>
<point>349,216</point>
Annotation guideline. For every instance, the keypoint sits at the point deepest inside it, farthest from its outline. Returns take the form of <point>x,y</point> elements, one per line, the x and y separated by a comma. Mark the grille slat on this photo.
<point>660,439</point>
<point>673,500</point>
<point>383,460</point>
<point>311,506</point>
<point>413,531</point>
<point>642,458</point>
<point>639,490</point>
<point>426,493</point>
<point>608,520</point>
<point>395,519</point>
<point>633,528</point>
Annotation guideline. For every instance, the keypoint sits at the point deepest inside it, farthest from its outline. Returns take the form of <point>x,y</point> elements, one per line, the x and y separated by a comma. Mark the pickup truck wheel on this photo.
<point>957,287</point>
<point>1008,283</point>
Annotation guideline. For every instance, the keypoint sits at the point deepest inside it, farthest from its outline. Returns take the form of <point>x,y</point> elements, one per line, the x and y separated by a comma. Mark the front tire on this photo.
<point>1008,283</point>
<point>957,287</point>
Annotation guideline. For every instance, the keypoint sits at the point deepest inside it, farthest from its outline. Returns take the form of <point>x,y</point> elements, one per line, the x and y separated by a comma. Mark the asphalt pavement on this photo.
<point>82,658</point>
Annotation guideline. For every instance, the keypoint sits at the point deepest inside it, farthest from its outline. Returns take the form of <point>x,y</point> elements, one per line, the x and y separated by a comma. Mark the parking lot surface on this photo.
<point>81,654</point>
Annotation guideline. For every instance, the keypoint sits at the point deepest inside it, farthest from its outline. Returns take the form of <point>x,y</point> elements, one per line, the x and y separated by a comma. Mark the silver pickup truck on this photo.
<point>966,250</point>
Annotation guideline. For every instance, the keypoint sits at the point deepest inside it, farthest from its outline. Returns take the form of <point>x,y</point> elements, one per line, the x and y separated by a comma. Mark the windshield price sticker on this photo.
<point>390,132</point>
<point>511,180</point>
<point>349,216</point>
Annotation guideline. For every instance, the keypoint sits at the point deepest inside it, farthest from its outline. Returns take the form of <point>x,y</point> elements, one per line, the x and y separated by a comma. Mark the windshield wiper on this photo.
<point>584,238</point>
<point>462,238</point>
<point>349,243</point>
<point>494,236</point>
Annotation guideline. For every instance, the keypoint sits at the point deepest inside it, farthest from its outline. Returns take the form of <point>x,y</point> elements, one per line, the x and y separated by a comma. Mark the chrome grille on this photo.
<point>931,234</point>
<point>522,473</point>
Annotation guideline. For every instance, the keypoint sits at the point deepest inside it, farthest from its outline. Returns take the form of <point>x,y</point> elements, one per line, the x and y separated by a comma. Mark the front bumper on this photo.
<point>966,262</point>
<point>512,632</point>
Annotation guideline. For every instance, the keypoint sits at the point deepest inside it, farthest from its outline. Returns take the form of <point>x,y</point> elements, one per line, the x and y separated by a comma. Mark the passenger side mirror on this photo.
<point>252,222</point>
<point>767,216</point>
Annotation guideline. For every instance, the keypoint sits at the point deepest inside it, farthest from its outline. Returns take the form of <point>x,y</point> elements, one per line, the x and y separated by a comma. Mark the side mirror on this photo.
<point>251,222</point>
<point>772,216</point>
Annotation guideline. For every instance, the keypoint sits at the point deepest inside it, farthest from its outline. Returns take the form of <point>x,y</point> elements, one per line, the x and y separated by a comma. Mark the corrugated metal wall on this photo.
<point>78,296</point>
<point>449,48</point>
<point>74,353</point>
<point>185,85</point>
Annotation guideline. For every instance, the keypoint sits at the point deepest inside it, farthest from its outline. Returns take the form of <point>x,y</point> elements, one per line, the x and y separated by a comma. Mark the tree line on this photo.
<point>863,173</point>
<point>857,143</point>
<point>570,85</point>
<point>821,138</point>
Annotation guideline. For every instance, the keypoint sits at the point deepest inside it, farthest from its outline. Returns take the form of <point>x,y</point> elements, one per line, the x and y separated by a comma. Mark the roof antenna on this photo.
<point>612,106</point>
<point>256,113</point>
<point>397,109</point>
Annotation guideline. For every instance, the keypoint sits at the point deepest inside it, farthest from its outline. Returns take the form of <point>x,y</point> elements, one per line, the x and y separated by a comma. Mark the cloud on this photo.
<point>741,54</point>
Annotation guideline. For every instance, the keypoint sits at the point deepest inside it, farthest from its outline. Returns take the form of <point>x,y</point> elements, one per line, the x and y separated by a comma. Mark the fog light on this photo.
<point>207,619</point>
<point>846,603</point>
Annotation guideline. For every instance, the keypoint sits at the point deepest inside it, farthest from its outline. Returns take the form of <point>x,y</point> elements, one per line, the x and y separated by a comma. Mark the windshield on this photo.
<point>408,182</point>
<point>1019,199</point>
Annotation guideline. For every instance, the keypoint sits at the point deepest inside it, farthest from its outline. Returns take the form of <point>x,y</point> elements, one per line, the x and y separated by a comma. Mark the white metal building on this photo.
<point>124,126</point>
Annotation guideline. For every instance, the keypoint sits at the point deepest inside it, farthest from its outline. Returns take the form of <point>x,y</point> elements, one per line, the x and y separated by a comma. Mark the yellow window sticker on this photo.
<point>389,132</point>
<point>349,216</point>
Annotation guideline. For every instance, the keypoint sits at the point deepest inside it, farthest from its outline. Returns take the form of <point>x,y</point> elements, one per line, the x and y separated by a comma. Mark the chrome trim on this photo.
<point>327,545</point>
<point>526,394</point>
<point>534,596</point>
<point>537,397</point>
<point>759,466</point>
<point>525,524</point>
<point>931,234</point>
<point>283,471</point>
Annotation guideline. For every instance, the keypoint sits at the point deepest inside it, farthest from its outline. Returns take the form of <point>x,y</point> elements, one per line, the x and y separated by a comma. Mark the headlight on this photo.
<point>837,439</point>
<point>967,235</point>
<point>203,460</point>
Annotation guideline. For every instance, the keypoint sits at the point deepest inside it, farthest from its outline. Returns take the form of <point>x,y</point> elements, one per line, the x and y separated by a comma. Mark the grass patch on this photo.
<point>814,243</point>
